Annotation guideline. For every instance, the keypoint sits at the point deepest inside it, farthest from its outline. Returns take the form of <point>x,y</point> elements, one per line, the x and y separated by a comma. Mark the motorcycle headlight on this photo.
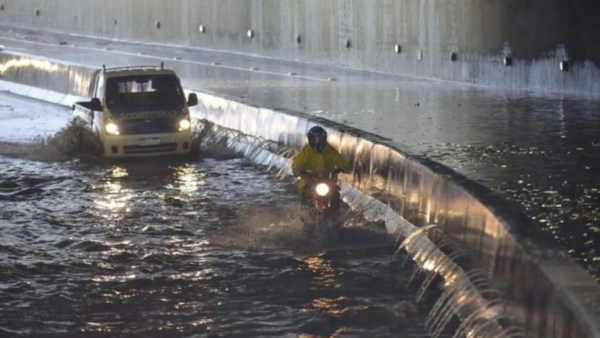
<point>322,189</point>
<point>184,124</point>
<point>111,127</point>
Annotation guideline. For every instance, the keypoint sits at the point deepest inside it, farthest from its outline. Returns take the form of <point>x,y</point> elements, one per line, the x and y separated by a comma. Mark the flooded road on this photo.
<point>186,248</point>
<point>181,247</point>
<point>541,150</point>
<point>127,250</point>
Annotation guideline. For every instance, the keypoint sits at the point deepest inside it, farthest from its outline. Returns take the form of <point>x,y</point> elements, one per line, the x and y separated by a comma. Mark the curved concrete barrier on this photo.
<point>546,292</point>
<point>44,79</point>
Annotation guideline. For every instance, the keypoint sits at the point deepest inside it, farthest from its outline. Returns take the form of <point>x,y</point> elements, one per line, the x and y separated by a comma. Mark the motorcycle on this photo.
<point>322,205</point>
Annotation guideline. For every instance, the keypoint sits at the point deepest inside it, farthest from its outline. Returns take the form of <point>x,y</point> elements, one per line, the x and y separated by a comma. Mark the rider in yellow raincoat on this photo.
<point>319,158</point>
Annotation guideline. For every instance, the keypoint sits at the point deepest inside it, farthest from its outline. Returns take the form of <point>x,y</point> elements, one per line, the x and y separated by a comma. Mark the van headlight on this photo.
<point>111,127</point>
<point>184,124</point>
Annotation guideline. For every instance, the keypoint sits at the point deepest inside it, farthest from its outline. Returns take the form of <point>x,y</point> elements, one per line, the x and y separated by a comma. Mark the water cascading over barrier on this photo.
<point>515,283</point>
<point>546,294</point>
<point>473,300</point>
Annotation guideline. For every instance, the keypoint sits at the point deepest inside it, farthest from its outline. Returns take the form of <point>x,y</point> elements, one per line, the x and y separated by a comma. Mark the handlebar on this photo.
<point>315,175</point>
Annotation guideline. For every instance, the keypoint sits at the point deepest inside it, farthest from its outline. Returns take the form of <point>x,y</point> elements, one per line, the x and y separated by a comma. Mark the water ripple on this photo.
<point>181,249</point>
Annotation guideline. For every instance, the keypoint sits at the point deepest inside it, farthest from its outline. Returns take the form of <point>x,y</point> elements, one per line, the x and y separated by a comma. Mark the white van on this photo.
<point>139,111</point>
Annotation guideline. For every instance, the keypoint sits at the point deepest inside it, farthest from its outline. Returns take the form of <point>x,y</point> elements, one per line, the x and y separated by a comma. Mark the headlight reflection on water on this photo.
<point>187,179</point>
<point>114,278</point>
<point>323,281</point>
<point>324,274</point>
<point>116,199</point>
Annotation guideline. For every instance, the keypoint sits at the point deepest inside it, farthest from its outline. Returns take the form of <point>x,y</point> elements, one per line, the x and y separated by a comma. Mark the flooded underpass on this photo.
<point>538,149</point>
<point>193,247</point>
<point>495,154</point>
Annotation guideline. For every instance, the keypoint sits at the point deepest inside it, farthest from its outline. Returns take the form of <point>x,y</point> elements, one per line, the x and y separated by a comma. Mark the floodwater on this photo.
<point>184,247</point>
<point>541,150</point>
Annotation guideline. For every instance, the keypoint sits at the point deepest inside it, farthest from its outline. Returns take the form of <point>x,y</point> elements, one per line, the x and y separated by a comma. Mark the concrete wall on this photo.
<point>548,294</point>
<point>459,40</point>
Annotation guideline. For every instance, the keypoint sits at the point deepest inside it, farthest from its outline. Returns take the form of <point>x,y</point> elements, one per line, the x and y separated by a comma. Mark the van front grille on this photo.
<point>148,127</point>
<point>150,149</point>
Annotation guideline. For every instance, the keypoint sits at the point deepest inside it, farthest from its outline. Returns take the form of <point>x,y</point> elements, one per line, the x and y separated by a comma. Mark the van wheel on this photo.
<point>99,148</point>
<point>195,146</point>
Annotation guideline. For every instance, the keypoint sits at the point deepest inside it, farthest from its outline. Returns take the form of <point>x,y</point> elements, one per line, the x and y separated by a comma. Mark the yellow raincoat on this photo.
<point>317,162</point>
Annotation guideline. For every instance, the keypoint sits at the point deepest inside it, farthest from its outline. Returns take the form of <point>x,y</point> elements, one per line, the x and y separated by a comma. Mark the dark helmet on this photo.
<point>317,138</point>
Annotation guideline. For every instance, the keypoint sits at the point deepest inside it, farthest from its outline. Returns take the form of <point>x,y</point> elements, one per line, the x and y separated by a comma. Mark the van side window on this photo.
<point>100,88</point>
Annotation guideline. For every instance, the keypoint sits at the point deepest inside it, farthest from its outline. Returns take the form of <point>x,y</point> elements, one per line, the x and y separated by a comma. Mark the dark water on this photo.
<point>186,248</point>
<point>545,155</point>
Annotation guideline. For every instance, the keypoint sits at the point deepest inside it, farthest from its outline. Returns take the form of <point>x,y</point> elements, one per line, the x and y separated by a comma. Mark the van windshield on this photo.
<point>144,91</point>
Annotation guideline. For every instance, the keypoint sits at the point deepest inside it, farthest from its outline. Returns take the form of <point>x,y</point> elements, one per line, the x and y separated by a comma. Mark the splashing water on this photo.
<point>73,140</point>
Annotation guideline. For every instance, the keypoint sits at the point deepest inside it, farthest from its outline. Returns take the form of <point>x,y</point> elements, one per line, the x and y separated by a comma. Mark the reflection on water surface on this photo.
<point>163,248</point>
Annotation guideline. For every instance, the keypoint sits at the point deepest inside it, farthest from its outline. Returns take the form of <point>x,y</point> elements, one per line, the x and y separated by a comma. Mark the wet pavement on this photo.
<point>539,149</point>
<point>19,124</point>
